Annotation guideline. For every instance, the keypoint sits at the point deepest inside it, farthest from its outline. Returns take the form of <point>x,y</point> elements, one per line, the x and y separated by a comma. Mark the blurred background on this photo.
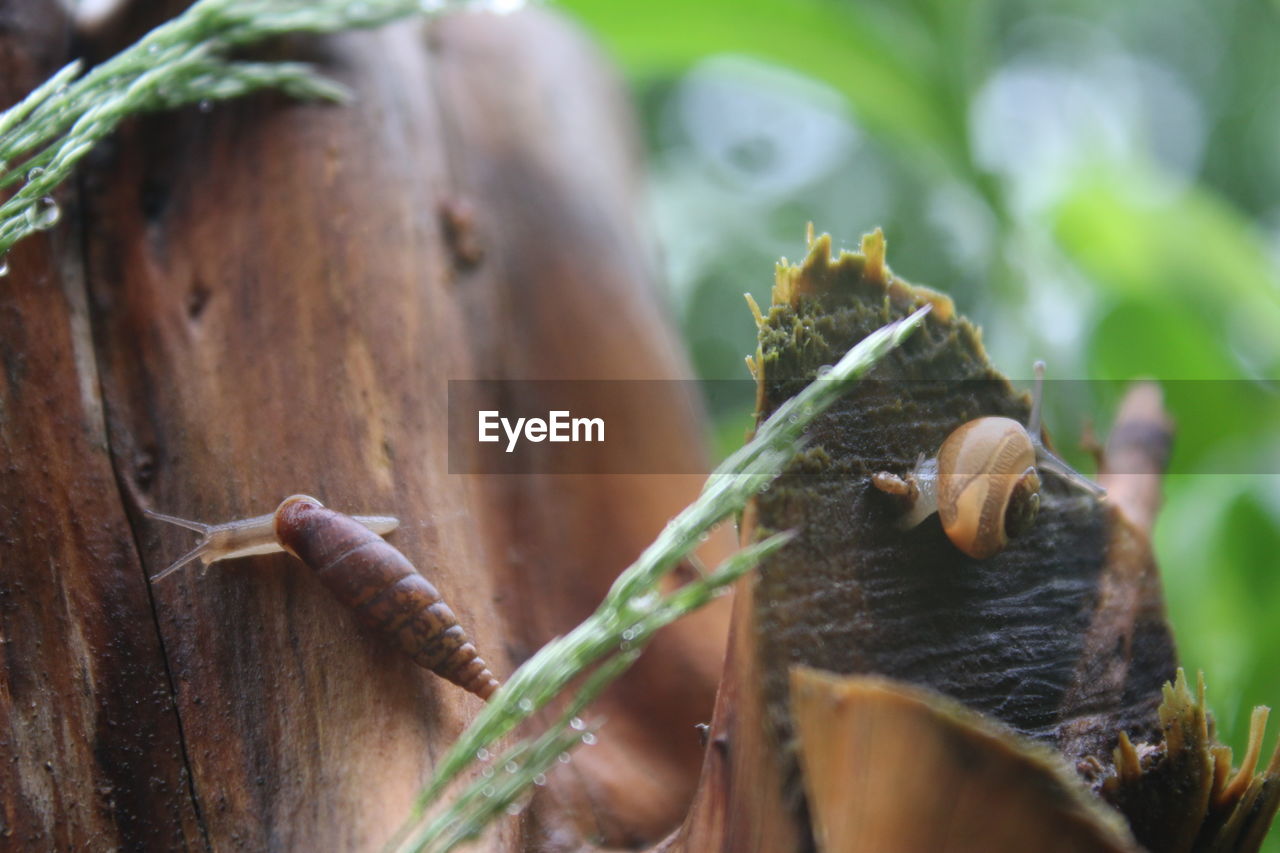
<point>1094,183</point>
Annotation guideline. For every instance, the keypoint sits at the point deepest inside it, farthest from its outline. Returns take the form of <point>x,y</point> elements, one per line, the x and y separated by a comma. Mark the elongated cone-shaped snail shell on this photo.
<point>988,488</point>
<point>374,579</point>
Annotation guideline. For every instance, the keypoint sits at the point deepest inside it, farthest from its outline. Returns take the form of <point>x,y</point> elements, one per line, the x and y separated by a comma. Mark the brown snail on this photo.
<point>985,481</point>
<point>362,570</point>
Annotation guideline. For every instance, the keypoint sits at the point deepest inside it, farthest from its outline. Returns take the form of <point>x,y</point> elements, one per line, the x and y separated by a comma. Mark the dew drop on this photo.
<point>576,724</point>
<point>628,634</point>
<point>487,773</point>
<point>487,791</point>
<point>153,49</point>
<point>34,173</point>
<point>563,758</point>
<point>540,779</point>
<point>4,265</point>
<point>525,705</point>
<point>482,754</point>
<point>44,214</point>
<point>825,370</point>
<point>511,767</point>
<point>514,808</point>
<point>588,739</point>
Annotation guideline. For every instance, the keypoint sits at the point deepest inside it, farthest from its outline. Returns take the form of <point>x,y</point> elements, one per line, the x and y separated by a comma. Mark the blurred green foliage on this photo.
<point>1097,184</point>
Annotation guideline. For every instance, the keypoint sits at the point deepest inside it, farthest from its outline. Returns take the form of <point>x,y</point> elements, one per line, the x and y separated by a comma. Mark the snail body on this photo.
<point>984,482</point>
<point>362,570</point>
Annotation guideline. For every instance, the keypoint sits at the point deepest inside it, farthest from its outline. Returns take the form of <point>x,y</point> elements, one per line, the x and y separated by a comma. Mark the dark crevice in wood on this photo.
<point>123,481</point>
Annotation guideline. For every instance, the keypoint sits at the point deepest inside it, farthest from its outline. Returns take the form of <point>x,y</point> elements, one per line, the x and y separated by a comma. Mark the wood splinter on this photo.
<point>362,570</point>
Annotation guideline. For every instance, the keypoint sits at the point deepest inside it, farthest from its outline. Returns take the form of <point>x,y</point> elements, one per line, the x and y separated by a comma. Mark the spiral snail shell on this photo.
<point>984,482</point>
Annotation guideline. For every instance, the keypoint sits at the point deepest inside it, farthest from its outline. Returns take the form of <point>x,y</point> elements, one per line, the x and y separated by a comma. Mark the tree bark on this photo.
<point>272,298</point>
<point>91,749</point>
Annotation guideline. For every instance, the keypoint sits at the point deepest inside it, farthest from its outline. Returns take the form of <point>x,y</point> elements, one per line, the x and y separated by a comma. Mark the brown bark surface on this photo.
<point>548,164</point>
<point>91,754</point>
<point>278,294</point>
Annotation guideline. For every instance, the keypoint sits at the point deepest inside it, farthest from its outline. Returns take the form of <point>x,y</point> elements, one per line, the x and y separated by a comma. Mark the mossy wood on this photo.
<point>1015,635</point>
<point>1059,640</point>
<point>269,298</point>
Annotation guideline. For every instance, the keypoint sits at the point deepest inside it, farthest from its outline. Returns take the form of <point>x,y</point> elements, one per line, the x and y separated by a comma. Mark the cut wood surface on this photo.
<point>272,298</point>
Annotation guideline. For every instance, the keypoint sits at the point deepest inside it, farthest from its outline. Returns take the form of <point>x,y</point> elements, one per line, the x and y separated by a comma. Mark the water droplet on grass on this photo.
<point>44,214</point>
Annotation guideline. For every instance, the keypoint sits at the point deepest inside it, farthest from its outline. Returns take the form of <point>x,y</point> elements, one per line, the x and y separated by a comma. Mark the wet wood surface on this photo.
<point>91,752</point>
<point>272,297</point>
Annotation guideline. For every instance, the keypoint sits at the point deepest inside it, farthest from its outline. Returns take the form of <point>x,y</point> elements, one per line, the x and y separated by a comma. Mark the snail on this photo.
<point>362,570</point>
<point>985,481</point>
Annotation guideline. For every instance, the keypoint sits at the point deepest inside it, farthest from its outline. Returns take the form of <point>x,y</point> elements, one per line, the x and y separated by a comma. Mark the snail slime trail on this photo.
<point>559,426</point>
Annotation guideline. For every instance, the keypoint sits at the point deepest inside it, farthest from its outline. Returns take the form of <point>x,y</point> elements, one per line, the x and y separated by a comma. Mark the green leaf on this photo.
<point>1192,253</point>
<point>886,64</point>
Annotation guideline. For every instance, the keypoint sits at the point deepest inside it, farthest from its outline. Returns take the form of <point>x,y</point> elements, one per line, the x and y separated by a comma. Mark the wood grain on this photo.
<point>272,297</point>
<point>91,754</point>
<point>543,152</point>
